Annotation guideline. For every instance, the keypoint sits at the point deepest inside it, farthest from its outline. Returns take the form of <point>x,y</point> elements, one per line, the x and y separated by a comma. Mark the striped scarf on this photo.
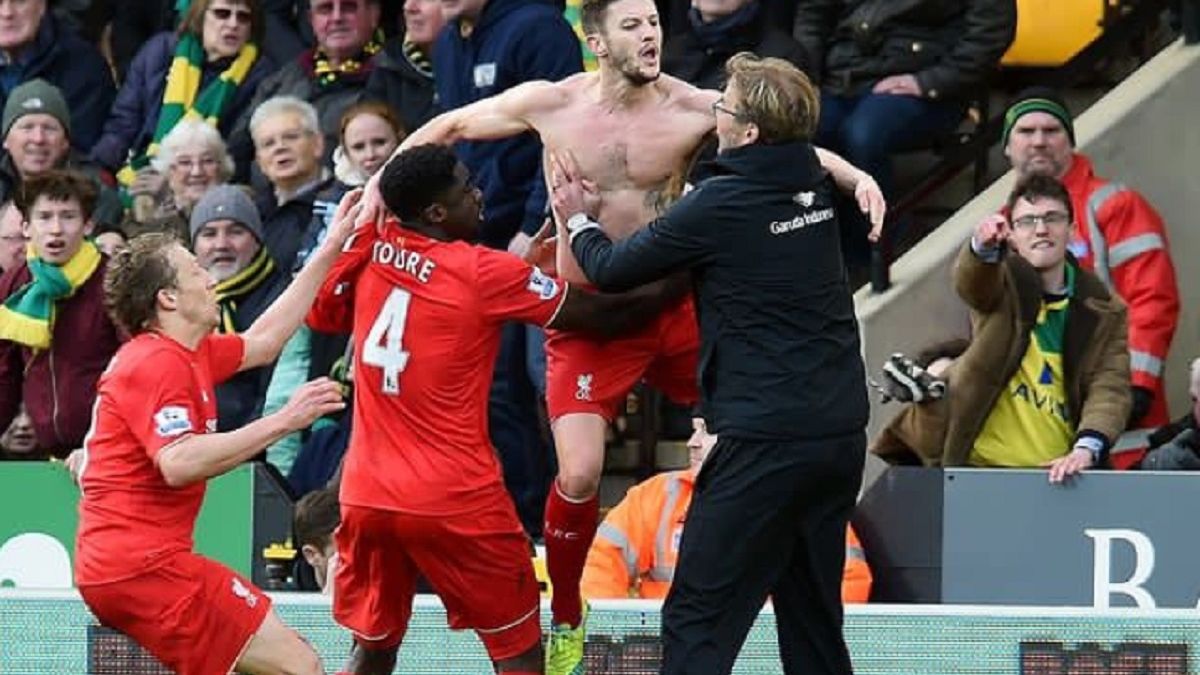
<point>27,316</point>
<point>238,286</point>
<point>417,58</point>
<point>573,13</point>
<point>327,74</point>
<point>183,98</point>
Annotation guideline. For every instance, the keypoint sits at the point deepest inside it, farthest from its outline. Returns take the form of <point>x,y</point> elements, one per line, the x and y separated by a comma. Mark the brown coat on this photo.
<point>1004,299</point>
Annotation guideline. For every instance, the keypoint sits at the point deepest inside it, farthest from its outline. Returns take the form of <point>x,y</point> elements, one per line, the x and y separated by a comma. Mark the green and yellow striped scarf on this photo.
<point>573,13</point>
<point>183,99</point>
<point>238,286</point>
<point>27,316</point>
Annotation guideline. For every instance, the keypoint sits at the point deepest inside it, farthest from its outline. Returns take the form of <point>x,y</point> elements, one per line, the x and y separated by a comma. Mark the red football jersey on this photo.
<point>154,391</point>
<point>426,323</point>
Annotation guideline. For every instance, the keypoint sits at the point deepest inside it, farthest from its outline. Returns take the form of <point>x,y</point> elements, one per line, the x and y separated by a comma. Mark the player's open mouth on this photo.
<point>649,54</point>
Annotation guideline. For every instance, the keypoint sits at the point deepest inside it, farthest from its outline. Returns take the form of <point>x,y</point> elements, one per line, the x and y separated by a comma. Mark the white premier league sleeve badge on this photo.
<point>172,420</point>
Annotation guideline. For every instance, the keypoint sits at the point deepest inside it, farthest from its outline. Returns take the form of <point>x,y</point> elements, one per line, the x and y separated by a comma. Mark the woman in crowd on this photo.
<point>207,70</point>
<point>191,160</point>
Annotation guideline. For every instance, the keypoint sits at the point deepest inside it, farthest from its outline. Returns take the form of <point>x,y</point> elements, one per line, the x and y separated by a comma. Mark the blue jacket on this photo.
<point>65,60</point>
<point>515,41</point>
<point>134,115</point>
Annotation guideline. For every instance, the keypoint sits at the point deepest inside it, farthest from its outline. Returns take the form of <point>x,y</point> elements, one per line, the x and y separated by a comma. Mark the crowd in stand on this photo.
<point>238,125</point>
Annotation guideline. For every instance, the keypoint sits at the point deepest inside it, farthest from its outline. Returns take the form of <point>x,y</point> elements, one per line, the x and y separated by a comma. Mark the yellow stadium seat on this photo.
<point>1050,32</point>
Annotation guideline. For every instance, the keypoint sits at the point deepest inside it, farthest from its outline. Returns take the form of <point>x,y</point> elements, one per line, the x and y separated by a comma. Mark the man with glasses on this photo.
<point>1117,234</point>
<point>12,237</point>
<point>332,76</point>
<point>1045,381</point>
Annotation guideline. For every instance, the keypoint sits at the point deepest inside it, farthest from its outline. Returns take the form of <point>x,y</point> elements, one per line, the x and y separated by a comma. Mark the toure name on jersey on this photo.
<point>410,262</point>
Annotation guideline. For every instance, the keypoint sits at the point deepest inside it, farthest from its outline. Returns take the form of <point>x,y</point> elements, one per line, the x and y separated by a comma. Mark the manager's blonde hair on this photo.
<point>776,96</point>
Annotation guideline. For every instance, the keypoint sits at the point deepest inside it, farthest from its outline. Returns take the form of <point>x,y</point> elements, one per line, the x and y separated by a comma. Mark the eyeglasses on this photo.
<point>14,238</point>
<point>223,13</point>
<point>1049,218</point>
<point>719,106</point>
<point>288,138</point>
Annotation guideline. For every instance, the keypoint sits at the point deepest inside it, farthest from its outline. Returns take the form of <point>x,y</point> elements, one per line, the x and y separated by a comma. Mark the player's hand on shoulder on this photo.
<point>311,401</point>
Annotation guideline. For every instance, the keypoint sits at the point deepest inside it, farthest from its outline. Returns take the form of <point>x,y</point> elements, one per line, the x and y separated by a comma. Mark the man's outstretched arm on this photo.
<point>501,116</point>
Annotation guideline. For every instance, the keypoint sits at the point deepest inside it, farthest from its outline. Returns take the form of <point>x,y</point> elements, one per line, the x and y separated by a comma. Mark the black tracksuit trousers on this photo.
<point>767,519</point>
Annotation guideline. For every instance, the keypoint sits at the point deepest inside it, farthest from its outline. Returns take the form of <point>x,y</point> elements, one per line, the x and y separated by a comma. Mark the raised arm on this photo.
<point>506,114</point>
<point>266,337</point>
<point>852,180</point>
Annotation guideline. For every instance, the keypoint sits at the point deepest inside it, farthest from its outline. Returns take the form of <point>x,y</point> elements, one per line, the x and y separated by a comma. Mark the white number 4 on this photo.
<point>383,348</point>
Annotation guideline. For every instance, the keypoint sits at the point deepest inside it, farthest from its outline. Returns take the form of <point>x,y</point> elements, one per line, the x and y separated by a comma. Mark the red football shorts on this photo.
<point>584,375</point>
<point>479,563</point>
<point>195,615</point>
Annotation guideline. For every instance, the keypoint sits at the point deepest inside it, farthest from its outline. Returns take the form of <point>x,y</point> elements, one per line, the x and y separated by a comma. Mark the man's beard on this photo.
<point>627,67</point>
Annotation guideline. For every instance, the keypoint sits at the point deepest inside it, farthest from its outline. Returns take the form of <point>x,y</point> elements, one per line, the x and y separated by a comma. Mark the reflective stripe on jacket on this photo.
<point>1119,236</point>
<point>636,547</point>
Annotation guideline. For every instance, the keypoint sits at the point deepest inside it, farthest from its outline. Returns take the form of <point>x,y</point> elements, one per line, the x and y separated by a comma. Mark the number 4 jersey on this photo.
<point>426,317</point>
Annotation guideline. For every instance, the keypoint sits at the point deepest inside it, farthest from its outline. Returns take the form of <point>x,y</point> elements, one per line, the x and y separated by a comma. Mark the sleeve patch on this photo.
<point>541,285</point>
<point>171,421</point>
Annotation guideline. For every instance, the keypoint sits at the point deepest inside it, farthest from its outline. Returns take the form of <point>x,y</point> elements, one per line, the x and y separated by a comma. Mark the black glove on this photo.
<point>1142,398</point>
<point>906,381</point>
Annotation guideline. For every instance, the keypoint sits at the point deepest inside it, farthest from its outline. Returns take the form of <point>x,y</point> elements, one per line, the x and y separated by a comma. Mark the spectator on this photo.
<point>55,335</point>
<point>37,138</point>
<point>109,239</point>
<point>331,76</point>
<point>1045,380</point>
<point>136,21</point>
<point>1117,235</point>
<point>635,549</point>
<point>13,242</point>
<point>227,241</point>
<point>208,70</point>
<point>33,45</point>
<point>316,516</point>
<point>488,47</point>
<point>288,148</point>
<point>895,74</point>
<point>192,160</point>
<point>1176,446</point>
<point>18,441</point>
<point>716,30</point>
<point>404,71</point>
<point>370,132</point>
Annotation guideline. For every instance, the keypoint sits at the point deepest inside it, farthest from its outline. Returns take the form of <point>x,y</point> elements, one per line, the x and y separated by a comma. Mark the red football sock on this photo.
<point>569,529</point>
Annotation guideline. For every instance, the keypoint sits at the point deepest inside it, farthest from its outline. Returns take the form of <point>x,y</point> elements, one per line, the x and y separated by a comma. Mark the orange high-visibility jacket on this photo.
<point>1119,236</point>
<point>636,547</point>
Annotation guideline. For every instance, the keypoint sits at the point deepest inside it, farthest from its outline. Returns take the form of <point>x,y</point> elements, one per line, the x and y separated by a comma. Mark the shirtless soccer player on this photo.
<point>634,132</point>
<point>421,490</point>
<point>152,446</point>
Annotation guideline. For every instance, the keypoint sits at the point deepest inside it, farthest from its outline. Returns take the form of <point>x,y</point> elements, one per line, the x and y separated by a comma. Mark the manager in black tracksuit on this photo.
<point>781,377</point>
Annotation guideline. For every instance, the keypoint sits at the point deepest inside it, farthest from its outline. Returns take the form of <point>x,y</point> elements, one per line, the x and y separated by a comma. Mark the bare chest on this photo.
<point>626,152</point>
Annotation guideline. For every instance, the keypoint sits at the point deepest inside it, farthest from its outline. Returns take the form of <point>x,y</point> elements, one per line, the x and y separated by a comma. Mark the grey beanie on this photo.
<point>36,96</point>
<point>226,202</point>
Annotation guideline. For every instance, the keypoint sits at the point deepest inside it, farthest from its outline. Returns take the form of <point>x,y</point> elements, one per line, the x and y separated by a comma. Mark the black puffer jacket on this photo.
<point>950,45</point>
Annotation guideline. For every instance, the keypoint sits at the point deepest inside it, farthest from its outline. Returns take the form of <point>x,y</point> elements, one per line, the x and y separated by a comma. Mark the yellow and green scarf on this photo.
<point>573,13</point>
<point>327,74</point>
<point>238,286</point>
<point>27,316</point>
<point>183,98</point>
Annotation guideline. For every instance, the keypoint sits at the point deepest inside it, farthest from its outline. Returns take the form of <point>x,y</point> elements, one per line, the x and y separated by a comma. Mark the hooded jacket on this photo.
<point>515,41</point>
<point>779,356</point>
